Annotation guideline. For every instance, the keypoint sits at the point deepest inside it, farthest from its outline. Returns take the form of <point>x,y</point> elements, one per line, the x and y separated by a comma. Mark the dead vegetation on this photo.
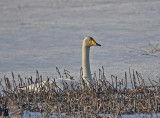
<point>154,49</point>
<point>104,98</point>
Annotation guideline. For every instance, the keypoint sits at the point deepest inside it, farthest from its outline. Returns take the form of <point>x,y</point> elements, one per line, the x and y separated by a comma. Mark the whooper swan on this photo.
<point>87,77</point>
<point>87,43</point>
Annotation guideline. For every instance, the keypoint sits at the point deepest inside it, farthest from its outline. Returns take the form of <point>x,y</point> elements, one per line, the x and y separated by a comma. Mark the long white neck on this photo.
<point>86,65</point>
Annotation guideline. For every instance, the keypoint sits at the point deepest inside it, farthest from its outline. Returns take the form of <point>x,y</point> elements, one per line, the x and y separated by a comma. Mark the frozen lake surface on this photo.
<point>43,34</point>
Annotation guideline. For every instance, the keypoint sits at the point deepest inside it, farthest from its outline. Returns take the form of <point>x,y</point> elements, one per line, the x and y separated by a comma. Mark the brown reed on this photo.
<point>114,99</point>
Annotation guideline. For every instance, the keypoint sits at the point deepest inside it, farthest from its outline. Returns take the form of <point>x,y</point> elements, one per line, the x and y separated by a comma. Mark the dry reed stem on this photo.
<point>102,98</point>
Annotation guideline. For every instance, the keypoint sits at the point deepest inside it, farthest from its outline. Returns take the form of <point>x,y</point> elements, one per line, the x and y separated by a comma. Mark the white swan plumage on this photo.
<point>87,77</point>
<point>87,43</point>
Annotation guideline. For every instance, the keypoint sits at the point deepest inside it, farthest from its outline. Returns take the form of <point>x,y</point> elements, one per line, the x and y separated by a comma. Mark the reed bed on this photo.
<point>103,99</point>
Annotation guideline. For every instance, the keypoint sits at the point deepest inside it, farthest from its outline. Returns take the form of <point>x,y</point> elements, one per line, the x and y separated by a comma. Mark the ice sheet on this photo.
<point>40,35</point>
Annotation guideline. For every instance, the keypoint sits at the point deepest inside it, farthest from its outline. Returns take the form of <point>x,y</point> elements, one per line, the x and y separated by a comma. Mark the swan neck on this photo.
<point>86,64</point>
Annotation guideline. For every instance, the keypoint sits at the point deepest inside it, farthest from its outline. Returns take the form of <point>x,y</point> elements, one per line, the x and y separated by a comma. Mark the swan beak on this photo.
<point>95,43</point>
<point>98,44</point>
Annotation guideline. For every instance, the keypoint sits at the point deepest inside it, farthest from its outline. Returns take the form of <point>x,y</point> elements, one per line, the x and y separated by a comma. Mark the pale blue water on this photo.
<point>40,35</point>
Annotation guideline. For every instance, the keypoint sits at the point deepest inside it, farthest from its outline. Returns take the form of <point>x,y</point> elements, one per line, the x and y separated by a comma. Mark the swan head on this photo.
<point>89,41</point>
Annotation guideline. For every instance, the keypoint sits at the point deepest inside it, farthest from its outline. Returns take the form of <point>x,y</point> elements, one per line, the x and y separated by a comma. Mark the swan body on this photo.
<point>87,43</point>
<point>34,87</point>
<point>45,85</point>
<point>87,77</point>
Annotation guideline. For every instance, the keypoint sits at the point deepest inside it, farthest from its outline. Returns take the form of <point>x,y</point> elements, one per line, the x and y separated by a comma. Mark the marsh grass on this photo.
<point>130,95</point>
